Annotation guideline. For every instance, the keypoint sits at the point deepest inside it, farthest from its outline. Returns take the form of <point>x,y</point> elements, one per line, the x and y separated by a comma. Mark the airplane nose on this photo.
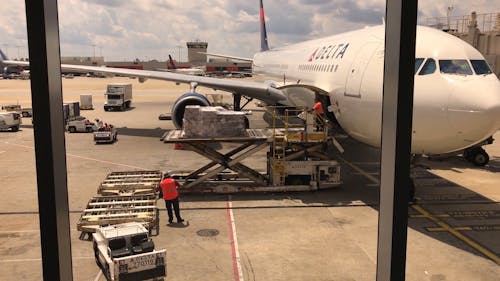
<point>474,109</point>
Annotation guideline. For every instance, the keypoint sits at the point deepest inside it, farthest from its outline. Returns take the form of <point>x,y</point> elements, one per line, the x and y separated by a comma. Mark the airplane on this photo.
<point>189,71</point>
<point>456,95</point>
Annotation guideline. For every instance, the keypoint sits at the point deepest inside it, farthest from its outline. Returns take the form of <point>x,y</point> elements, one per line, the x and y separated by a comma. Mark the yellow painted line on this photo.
<point>437,229</point>
<point>467,228</point>
<point>361,171</point>
<point>457,234</point>
<point>424,216</point>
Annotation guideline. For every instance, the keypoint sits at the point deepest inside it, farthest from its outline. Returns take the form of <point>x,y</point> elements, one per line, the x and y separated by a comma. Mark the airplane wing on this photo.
<point>227,57</point>
<point>261,91</point>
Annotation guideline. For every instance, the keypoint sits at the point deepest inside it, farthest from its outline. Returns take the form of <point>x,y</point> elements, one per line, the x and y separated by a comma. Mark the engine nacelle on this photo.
<point>180,105</point>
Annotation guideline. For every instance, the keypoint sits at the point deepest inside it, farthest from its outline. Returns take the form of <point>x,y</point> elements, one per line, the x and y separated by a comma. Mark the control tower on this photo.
<point>194,57</point>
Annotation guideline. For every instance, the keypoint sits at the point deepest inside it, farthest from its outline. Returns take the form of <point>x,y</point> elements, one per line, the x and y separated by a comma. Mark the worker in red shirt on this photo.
<point>319,114</point>
<point>168,191</point>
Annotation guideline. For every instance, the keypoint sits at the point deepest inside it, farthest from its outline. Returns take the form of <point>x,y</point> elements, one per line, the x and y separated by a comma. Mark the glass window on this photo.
<point>455,67</point>
<point>481,67</point>
<point>418,62</point>
<point>428,68</point>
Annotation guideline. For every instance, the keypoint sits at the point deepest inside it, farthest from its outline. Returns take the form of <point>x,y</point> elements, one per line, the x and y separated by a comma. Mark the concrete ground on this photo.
<point>325,235</point>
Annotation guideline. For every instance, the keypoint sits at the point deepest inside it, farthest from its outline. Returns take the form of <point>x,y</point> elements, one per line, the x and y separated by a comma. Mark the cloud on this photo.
<point>127,29</point>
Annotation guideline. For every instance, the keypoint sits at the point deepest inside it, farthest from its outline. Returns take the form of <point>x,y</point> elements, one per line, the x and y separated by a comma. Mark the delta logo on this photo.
<point>334,51</point>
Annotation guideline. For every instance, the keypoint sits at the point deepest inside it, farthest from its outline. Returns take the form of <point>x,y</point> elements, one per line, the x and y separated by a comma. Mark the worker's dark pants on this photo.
<point>175,203</point>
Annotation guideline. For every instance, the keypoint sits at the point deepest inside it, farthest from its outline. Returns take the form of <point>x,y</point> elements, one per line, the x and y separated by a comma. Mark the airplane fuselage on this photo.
<point>453,109</point>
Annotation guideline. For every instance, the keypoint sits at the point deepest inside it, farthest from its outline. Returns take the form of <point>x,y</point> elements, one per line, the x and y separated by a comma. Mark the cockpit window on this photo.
<point>455,67</point>
<point>418,62</point>
<point>480,67</point>
<point>428,68</point>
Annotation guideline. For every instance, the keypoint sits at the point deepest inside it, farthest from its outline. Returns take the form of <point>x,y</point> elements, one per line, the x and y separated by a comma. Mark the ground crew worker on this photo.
<point>168,191</point>
<point>319,114</point>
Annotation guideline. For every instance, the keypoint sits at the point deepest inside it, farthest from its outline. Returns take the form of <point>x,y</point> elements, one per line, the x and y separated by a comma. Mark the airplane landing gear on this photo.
<point>477,156</point>
<point>411,193</point>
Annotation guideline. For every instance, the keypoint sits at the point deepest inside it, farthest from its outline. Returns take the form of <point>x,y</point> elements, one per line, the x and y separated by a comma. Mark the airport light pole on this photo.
<point>6,47</point>
<point>93,45</point>
<point>18,53</point>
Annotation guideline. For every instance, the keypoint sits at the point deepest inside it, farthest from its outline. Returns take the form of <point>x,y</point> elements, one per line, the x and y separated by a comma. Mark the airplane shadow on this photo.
<point>138,132</point>
<point>476,216</point>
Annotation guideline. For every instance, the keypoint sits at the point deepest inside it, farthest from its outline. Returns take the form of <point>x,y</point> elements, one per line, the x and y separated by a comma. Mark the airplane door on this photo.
<point>357,70</point>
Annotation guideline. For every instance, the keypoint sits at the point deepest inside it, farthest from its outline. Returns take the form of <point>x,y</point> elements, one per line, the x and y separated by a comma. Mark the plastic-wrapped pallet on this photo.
<point>212,121</point>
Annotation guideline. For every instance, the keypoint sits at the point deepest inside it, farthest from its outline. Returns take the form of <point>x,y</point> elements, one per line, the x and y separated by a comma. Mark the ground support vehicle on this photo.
<point>126,252</point>
<point>131,183</point>
<point>80,124</point>
<point>10,120</point>
<point>106,135</point>
<point>109,210</point>
<point>118,96</point>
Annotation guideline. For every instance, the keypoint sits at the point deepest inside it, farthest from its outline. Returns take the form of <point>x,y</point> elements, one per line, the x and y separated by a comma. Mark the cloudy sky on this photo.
<point>151,29</point>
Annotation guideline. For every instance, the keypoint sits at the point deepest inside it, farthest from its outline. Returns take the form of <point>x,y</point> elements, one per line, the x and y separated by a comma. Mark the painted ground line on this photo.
<point>238,273</point>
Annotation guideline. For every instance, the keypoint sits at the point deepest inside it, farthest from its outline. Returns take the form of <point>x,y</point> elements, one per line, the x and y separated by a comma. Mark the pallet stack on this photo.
<point>128,196</point>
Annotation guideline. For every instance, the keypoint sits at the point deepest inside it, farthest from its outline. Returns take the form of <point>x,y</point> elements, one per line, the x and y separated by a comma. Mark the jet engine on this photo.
<point>181,103</point>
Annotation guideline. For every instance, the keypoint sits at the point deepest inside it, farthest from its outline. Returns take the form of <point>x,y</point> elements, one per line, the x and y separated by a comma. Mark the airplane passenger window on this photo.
<point>455,67</point>
<point>428,68</point>
<point>418,62</point>
<point>481,67</point>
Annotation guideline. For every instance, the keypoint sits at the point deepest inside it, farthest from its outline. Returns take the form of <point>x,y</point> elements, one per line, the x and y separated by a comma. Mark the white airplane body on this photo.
<point>452,110</point>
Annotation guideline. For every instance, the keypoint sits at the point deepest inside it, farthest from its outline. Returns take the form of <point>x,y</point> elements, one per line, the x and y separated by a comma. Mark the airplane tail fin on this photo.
<point>3,56</point>
<point>263,33</point>
<point>171,62</point>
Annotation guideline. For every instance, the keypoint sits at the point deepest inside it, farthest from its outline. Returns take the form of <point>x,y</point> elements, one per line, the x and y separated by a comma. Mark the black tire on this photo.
<point>88,130</point>
<point>411,191</point>
<point>72,129</point>
<point>25,114</point>
<point>106,272</point>
<point>14,128</point>
<point>479,157</point>
<point>106,108</point>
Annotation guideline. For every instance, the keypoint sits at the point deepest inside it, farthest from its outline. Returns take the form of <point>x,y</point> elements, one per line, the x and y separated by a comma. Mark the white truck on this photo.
<point>80,124</point>
<point>10,120</point>
<point>126,252</point>
<point>118,96</point>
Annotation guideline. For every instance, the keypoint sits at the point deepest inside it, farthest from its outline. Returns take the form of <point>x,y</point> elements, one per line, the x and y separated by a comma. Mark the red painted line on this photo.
<point>233,246</point>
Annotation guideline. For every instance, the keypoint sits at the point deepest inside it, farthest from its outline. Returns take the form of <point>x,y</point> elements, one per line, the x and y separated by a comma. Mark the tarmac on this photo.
<point>453,229</point>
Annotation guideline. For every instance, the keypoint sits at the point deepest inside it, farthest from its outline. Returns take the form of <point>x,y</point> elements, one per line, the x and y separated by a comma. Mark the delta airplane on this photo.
<point>456,95</point>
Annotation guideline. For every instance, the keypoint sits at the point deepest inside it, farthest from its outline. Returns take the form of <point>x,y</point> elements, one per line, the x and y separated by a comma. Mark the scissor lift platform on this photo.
<point>108,210</point>
<point>217,178</point>
<point>254,141</point>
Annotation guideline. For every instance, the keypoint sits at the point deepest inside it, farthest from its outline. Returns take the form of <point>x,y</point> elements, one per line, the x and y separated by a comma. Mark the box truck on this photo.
<point>118,96</point>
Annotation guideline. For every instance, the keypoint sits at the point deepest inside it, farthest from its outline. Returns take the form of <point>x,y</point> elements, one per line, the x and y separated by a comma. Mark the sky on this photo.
<point>152,29</point>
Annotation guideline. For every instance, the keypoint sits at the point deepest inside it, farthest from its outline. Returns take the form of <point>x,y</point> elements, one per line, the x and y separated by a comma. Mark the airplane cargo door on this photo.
<point>357,70</point>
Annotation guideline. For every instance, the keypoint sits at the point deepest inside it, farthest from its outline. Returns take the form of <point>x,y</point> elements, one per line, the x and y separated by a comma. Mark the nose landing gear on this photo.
<point>476,155</point>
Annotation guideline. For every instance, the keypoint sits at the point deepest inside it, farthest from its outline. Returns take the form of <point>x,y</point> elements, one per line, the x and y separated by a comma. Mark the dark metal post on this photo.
<point>46,97</point>
<point>400,33</point>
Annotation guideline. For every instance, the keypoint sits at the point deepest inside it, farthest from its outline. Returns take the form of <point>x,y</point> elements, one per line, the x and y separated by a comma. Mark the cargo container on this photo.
<point>86,102</point>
